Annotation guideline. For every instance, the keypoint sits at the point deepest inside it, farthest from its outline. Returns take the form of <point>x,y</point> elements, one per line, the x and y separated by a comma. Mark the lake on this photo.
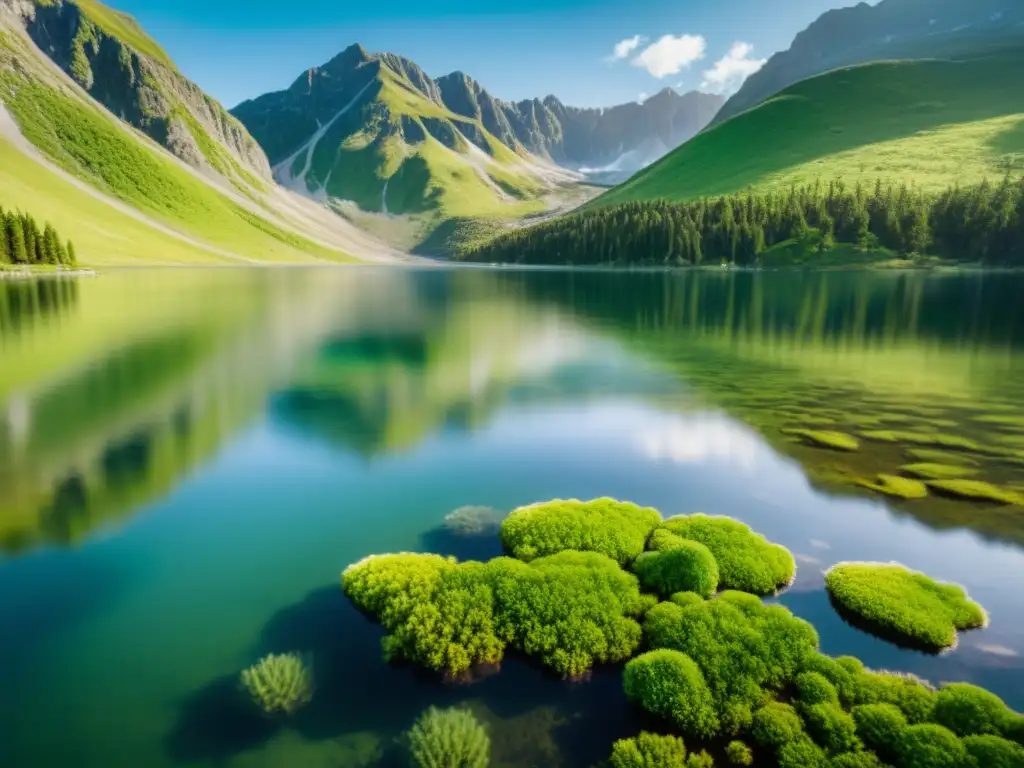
<point>189,458</point>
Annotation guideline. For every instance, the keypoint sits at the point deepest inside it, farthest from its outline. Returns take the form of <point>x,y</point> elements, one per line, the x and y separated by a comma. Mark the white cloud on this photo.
<point>732,69</point>
<point>625,47</point>
<point>670,55</point>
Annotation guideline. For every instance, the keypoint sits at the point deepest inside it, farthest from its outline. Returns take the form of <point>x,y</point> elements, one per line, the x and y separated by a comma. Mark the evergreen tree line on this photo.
<point>23,242</point>
<point>983,223</point>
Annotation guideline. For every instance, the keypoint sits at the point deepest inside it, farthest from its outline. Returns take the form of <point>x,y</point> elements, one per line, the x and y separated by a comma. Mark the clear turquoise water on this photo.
<point>191,458</point>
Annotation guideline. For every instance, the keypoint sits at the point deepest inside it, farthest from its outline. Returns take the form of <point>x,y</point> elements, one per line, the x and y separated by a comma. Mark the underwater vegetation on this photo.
<point>742,678</point>
<point>903,603</point>
<point>473,520</point>
<point>613,528</point>
<point>279,683</point>
<point>896,486</point>
<point>747,561</point>
<point>449,738</point>
<point>837,441</point>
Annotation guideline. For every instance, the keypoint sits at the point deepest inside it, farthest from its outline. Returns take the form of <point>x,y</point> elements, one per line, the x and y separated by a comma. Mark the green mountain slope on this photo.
<point>932,123</point>
<point>131,160</point>
<point>374,130</point>
<point>890,29</point>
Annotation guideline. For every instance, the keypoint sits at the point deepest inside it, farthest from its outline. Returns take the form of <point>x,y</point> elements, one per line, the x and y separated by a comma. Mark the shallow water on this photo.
<point>189,458</point>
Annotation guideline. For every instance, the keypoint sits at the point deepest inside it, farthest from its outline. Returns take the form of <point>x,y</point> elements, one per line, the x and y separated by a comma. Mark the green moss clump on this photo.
<point>933,471</point>
<point>685,599</point>
<point>914,698</point>
<point>570,610</point>
<point>279,683</point>
<point>896,486</point>
<point>835,441</point>
<point>449,738</point>
<point>687,566</point>
<point>669,684</point>
<point>700,760</point>
<point>929,746</point>
<point>975,490</point>
<point>934,456</point>
<point>832,728</point>
<point>802,753</point>
<point>994,752</point>
<point>814,688</point>
<point>649,750</point>
<point>746,560</point>
<point>741,674</point>
<point>775,725</point>
<point>856,760</point>
<point>613,528</point>
<point>968,710</point>
<point>879,726</point>
<point>738,753</point>
<point>904,604</point>
<point>932,439</point>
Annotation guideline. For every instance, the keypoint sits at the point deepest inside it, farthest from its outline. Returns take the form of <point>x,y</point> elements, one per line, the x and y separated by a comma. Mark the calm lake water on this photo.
<point>188,459</point>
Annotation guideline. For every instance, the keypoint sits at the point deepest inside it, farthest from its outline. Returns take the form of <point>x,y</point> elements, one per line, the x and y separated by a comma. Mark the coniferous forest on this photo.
<point>980,224</point>
<point>23,242</point>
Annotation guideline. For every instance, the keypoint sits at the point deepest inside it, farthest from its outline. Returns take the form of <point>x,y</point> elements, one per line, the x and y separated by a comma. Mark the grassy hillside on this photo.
<point>86,141</point>
<point>932,123</point>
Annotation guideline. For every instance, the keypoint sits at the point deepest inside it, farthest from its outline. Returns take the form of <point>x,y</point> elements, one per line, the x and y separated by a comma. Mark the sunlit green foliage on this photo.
<point>744,648</point>
<point>279,683</point>
<point>613,528</point>
<point>776,724</point>
<point>994,752</point>
<point>685,599</point>
<point>855,760</point>
<point>669,684</point>
<point>929,746</point>
<point>802,753</point>
<point>879,726</point>
<point>837,441</point>
<point>968,710</point>
<point>23,242</point>
<point>739,753</point>
<point>686,566</point>
<point>832,728</point>
<point>935,471</point>
<point>746,560</point>
<point>903,602</point>
<point>571,609</point>
<point>649,750</point>
<point>449,738</point>
<point>800,224</point>
<point>896,486</point>
<point>814,688</point>
<point>976,490</point>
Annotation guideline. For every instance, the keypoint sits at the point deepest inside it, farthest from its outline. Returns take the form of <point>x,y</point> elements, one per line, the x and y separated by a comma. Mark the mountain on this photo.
<point>892,29</point>
<point>932,123</point>
<point>612,143</point>
<point>103,136</point>
<point>375,129</point>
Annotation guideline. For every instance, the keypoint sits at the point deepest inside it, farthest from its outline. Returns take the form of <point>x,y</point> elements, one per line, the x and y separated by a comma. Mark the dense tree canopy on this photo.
<point>23,242</point>
<point>984,223</point>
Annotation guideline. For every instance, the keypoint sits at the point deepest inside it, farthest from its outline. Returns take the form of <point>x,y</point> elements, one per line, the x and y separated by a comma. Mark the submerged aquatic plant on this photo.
<point>473,521</point>
<point>836,441</point>
<point>449,738</point>
<point>746,560</point>
<point>896,486</point>
<point>618,529</point>
<point>279,683</point>
<point>976,490</point>
<point>908,605</point>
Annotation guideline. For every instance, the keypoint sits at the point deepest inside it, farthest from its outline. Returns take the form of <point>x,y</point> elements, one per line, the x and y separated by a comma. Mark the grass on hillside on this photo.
<point>124,28</point>
<point>86,143</point>
<point>932,123</point>
<point>103,236</point>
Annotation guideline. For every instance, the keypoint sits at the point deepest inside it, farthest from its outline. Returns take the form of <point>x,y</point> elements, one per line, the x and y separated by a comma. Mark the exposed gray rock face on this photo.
<point>144,91</point>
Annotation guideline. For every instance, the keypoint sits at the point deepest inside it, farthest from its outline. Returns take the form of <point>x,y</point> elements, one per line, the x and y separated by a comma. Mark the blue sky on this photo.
<point>517,49</point>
